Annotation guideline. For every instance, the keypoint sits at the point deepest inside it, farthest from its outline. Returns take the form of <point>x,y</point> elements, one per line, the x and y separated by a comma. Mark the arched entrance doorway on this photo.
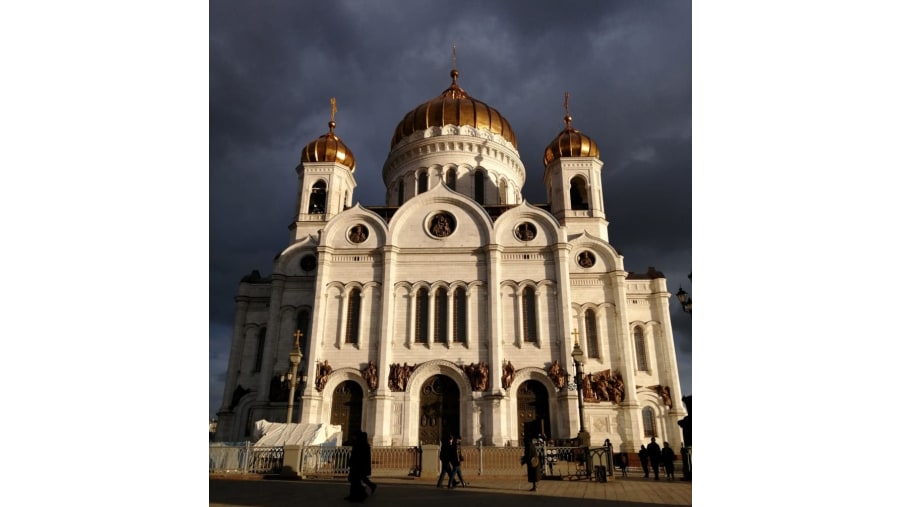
<point>346,409</point>
<point>438,410</point>
<point>533,409</point>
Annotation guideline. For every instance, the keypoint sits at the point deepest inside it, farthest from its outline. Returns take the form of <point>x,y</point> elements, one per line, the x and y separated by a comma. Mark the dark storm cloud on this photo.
<point>275,65</point>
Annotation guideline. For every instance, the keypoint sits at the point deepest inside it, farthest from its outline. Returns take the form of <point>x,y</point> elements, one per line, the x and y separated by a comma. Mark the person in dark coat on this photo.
<point>360,467</point>
<point>457,472</point>
<point>668,461</point>
<point>623,463</point>
<point>448,456</point>
<point>533,462</point>
<point>654,452</point>
<point>645,460</point>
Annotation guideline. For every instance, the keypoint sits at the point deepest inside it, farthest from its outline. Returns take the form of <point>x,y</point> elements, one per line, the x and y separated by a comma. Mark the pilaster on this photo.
<point>273,329</point>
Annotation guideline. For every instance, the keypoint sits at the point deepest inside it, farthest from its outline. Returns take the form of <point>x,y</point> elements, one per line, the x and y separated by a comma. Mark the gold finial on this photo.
<point>574,333</point>
<point>297,336</point>
<point>454,73</point>
<point>332,124</point>
<point>568,119</point>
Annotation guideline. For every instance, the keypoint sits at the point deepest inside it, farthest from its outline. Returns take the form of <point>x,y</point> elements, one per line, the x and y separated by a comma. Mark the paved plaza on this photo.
<point>496,492</point>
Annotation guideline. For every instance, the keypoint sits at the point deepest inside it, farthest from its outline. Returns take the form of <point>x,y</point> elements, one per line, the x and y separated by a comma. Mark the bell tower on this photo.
<point>326,181</point>
<point>572,176</point>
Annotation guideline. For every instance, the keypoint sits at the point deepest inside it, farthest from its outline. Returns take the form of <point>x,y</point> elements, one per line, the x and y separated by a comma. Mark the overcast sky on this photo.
<point>273,67</point>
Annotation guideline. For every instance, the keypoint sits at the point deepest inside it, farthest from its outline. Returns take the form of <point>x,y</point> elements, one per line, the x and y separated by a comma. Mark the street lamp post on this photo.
<point>291,377</point>
<point>578,356</point>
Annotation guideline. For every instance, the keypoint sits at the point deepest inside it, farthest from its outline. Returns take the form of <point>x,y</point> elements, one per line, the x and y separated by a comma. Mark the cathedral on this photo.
<point>454,308</point>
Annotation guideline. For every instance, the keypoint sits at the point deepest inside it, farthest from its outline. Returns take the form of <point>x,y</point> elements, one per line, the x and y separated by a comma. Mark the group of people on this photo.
<point>451,459</point>
<point>653,455</point>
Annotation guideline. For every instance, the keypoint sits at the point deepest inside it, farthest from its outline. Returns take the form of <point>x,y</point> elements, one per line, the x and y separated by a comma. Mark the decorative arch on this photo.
<point>428,369</point>
<point>579,198</point>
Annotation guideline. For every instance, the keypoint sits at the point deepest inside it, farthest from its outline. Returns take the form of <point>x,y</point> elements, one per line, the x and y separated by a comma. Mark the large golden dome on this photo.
<point>453,107</point>
<point>329,148</point>
<point>570,143</point>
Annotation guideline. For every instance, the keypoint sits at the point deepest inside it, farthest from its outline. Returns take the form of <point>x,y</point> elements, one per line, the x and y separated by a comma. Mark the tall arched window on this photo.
<point>352,335</point>
<point>590,328</point>
<point>440,316</point>
<point>459,315</point>
<point>649,422</point>
<point>529,318</point>
<point>260,347</point>
<point>421,316</point>
<point>422,182</point>
<point>640,350</point>
<point>578,193</point>
<point>479,187</point>
<point>317,198</point>
<point>451,179</point>
<point>400,193</point>
<point>503,191</point>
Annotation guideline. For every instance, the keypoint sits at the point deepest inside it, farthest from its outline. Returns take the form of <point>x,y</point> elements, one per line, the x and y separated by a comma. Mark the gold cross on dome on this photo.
<point>566,103</point>
<point>454,55</point>
<point>297,335</point>
<point>333,108</point>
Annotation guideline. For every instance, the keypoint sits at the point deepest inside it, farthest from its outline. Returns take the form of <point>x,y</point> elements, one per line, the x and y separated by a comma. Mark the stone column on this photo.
<point>564,329</point>
<point>237,348</point>
<point>273,329</point>
<point>668,375</point>
<point>631,408</point>
<point>311,399</point>
<point>382,427</point>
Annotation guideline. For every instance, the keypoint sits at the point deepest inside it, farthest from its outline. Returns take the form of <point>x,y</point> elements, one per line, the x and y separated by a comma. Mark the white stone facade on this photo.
<point>479,280</point>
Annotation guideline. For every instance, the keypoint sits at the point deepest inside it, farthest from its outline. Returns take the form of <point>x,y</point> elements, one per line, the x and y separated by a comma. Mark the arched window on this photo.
<point>590,325</point>
<point>459,316</point>
<point>440,316</point>
<point>260,346</point>
<point>451,179</point>
<point>421,316</point>
<point>649,425</point>
<point>578,193</point>
<point>503,191</point>
<point>422,182</point>
<point>529,315</point>
<point>479,187</point>
<point>639,349</point>
<point>317,198</point>
<point>352,335</point>
<point>400,193</point>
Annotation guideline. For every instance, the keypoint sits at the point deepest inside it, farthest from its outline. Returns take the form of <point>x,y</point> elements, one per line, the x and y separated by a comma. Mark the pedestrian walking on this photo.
<point>645,461</point>
<point>532,461</point>
<point>654,452</point>
<point>447,455</point>
<point>459,459</point>
<point>360,467</point>
<point>623,463</point>
<point>668,461</point>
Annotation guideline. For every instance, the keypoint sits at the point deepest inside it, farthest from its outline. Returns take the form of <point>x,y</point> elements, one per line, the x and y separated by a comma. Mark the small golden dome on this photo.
<point>329,148</point>
<point>453,107</point>
<point>570,143</point>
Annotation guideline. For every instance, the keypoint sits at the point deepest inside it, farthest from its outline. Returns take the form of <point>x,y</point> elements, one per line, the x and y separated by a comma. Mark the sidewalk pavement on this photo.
<point>236,490</point>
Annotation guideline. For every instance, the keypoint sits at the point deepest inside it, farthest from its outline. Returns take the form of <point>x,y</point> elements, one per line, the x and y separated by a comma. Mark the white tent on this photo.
<point>272,434</point>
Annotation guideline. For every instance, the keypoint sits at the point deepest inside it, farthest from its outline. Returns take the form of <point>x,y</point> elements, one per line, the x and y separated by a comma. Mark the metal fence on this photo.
<point>243,457</point>
<point>318,461</point>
